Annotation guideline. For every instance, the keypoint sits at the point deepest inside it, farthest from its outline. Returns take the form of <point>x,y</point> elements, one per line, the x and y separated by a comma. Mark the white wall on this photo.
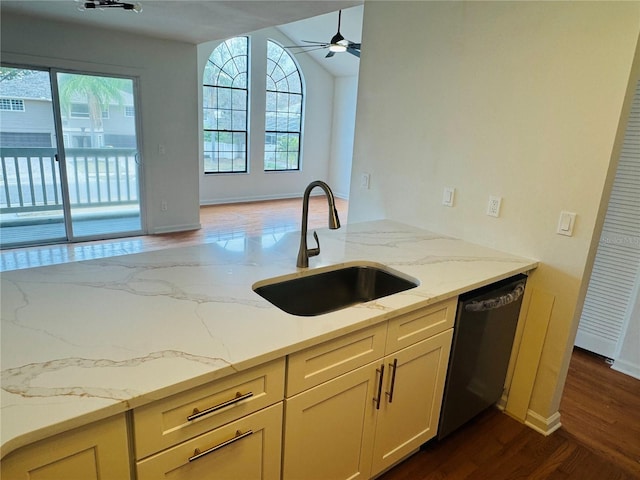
<point>166,72</point>
<point>343,131</point>
<point>521,100</point>
<point>316,141</point>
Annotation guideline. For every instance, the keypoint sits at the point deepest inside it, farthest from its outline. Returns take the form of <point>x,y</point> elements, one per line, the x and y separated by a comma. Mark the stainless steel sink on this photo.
<point>333,289</point>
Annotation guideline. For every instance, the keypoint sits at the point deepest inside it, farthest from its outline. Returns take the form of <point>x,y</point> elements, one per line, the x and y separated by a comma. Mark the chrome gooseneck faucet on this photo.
<point>334,222</point>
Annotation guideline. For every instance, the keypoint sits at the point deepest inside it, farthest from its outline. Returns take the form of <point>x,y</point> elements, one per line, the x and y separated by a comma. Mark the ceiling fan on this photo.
<point>337,44</point>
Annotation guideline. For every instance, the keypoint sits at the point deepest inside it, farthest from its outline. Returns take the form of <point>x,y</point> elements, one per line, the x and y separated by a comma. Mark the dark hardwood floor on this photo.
<point>599,439</point>
<point>600,436</point>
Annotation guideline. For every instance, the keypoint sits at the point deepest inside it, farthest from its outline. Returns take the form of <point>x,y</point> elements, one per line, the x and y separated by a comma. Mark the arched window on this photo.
<point>283,111</point>
<point>225,100</point>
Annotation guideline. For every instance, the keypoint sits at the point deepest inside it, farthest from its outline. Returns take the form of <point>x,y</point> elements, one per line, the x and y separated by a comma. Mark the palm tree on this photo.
<point>97,92</point>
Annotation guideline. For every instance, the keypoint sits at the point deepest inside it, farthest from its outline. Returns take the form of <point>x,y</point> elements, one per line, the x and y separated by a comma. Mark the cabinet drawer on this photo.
<point>414,326</point>
<point>249,448</point>
<point>167,422</point>
<point>323,362</point>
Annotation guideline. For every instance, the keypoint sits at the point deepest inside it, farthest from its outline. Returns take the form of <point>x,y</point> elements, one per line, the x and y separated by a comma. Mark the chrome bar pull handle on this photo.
<point>238,436</point>
<point>393,365</point>
<point>238,398</point>
<point>379,397</point>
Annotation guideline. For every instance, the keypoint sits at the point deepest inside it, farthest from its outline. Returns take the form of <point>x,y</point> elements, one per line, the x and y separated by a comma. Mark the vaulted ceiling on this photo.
<point>198,21</point>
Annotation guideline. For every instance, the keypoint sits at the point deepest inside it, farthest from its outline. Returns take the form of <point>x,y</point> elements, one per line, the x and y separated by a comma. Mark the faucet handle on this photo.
<point>312,252</point>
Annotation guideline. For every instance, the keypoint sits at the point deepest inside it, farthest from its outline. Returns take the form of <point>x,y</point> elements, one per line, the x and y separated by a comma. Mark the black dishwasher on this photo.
<point>484,330</point>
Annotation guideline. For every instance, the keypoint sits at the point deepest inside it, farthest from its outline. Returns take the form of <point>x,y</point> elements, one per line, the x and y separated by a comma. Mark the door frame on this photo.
<point>53,71</point>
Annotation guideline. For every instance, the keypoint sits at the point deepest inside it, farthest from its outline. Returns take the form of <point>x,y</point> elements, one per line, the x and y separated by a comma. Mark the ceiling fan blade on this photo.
<point>319,45</point>
<point>330,54</point>
<point>313,41</point>
<point>354,45</point>
<point>353,51</point>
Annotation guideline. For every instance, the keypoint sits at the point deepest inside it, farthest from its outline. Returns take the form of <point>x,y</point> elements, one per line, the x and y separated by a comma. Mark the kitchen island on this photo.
<point>85,341</point>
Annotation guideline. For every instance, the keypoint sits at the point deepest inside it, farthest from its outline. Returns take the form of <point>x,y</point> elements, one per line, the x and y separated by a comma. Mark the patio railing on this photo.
<point>30,178</point>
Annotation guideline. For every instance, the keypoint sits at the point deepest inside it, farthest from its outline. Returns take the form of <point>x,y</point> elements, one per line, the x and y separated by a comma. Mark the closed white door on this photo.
<point>610,294</point>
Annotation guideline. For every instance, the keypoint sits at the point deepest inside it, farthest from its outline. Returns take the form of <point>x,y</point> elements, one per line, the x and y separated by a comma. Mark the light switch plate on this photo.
<point>448,196</point>
<point>365,180</point>
<point>566,222</point>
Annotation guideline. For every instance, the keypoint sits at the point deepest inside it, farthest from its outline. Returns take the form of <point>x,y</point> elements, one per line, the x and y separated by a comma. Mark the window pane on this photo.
<point>295,85</point>
<point>209,97</point>
<point>239,99</point>
<point>283,102</point>
<point>239,120</point>
<point>223,99</point>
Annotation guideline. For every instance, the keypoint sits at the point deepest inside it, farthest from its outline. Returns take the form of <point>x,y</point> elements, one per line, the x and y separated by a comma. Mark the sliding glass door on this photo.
<point>69,158</point>
<point>100,154</point>
<point>31,205</point>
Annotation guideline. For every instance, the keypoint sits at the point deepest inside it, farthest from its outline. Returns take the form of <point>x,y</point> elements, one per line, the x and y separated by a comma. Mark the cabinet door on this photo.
<point>329,428</point>
<point>99,451</point>
<point>411,401</point>
<point>247,449</point>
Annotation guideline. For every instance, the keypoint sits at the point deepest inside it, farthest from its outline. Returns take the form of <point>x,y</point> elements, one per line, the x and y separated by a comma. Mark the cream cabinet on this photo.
<point>97,451</point>
<point>231,428</point>
<point>363,411</point>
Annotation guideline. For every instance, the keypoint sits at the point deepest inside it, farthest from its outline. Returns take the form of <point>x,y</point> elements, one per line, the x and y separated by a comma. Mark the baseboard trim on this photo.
<point>264,198</point>
<point>545,426</point>
<point>259,198</point>
<point>502,403</point>
<point>175,228</point>
<point>628,368</point>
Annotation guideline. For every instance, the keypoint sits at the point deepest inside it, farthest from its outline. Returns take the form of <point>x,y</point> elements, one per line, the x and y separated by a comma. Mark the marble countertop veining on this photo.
<point>82,341</point>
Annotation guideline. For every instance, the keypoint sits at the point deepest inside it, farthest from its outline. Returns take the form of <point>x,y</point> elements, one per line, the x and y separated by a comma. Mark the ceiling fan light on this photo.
<point>337,48</point>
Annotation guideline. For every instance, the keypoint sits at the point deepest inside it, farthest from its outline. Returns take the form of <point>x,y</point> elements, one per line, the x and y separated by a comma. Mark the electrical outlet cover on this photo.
<point>493,209</point>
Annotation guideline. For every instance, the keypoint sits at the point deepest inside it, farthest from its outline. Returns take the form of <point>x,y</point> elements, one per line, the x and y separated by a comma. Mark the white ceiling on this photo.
<point>198,21</point>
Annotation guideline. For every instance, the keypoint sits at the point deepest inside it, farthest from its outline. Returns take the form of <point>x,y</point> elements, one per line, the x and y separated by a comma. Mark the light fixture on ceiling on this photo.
<point>102,4</point>
<point>338,43</point>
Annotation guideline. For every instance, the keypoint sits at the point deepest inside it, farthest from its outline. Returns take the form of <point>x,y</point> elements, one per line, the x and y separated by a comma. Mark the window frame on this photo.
<point>217,88</point>
<point>279,133</point>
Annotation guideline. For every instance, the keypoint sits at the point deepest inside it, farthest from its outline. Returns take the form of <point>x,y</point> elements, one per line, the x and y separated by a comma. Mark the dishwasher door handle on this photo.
<point>497,302</point>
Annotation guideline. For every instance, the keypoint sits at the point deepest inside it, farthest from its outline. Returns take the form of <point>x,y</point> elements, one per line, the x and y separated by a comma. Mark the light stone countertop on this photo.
<point>86,340</point>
